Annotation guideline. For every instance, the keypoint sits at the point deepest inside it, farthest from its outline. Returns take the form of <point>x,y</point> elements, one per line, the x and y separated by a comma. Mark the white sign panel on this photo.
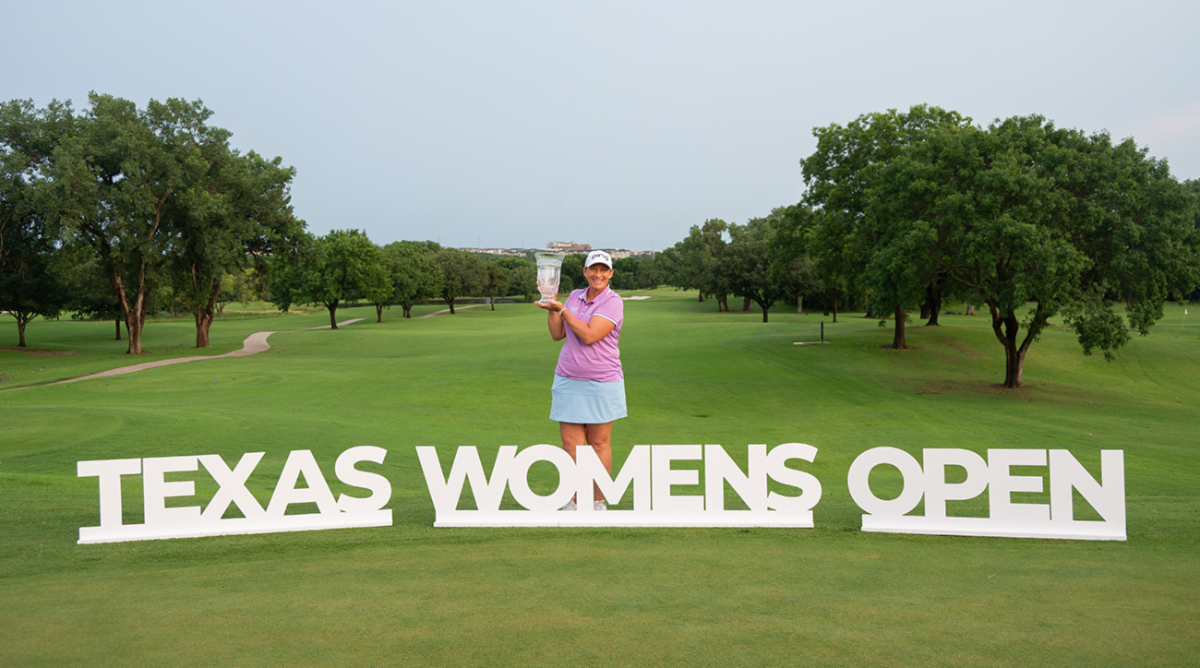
<point>192,521</point>
<point>1005,517</point>
<point>651,475</point>
<point>648,475</point>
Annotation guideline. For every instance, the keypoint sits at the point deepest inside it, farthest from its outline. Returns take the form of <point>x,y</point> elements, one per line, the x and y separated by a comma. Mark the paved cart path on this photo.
<point>459,308</point>
<point>254,344</point>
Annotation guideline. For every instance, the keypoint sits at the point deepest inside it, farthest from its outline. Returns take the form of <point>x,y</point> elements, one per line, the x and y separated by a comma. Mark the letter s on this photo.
<point>381,489</point>
<point>807,483</point>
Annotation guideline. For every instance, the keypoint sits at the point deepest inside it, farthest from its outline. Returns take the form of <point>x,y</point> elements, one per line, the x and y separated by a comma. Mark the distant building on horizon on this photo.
<point>568,247</point>
<point>560,247</point>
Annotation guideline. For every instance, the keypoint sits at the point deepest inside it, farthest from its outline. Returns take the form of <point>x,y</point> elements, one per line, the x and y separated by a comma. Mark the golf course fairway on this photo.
<point>410,594</point>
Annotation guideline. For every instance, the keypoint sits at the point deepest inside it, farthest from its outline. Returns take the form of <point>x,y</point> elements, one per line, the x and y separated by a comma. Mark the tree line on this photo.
<point>117,212</point>
<point>345,266</point>
<point>907,210</point>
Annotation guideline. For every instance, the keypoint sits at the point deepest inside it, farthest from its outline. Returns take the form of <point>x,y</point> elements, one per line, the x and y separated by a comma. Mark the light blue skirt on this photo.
<point>586,401</point>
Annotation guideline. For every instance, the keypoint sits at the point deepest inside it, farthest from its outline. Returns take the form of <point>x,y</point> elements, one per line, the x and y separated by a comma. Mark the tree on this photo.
<point>571,273</point>
<point>31,283</point>
<point>625,274</point>
<point>341,266</point>
<point>840,176</point>
<point>237,214</point>
<point>495,284</point>
<point>463,274</point>
<point>791,265</point>
<point>695,264</point>
<point>415,277</point>
<point>520,275</point>
<point>745,263</point>
<point>115,181</point>
<point>648,275</point>
<point>523,279</point>
<point>92,295</point>
<point>1030,216</point>
<point>378,288</point>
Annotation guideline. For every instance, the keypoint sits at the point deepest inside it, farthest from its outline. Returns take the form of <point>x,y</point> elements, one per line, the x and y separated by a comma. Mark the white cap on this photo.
<point>600,257</point>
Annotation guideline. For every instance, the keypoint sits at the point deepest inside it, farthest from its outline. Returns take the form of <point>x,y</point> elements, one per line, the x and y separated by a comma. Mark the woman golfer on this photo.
<point>589,386</point>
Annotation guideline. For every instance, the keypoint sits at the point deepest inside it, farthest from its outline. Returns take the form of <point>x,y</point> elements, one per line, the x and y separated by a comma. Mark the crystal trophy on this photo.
<point>549,270</point>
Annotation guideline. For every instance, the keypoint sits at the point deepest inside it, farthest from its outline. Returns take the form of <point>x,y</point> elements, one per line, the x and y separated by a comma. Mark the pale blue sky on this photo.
<point>618,124</point>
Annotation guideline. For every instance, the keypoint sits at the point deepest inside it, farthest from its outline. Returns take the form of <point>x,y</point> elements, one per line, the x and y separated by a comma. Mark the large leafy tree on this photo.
<point>116,179</point>
<point>841,176</point>
<point>341,266</point>
<point>92,295</point>
<point>414,275</point>
<point>1037,221</point>
<point>791,265</point>
<point>236,216</point>
<point>31,277</point>
<point>745,263</point>
<point>463,274</point>
<point>696,261</point>
<point>571,273</point>
<point>625,274</point>
<point>31,284</point>
<point>649,275</point>
<point>520,275</point>
<point>495,284</point>
<point>523,280</point>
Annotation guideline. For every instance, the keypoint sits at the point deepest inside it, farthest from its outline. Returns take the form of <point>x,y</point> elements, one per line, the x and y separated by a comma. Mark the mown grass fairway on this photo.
<point>414,595</point>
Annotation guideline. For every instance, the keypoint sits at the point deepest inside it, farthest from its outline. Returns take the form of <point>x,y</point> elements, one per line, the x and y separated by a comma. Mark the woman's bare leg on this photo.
<point>599,436</point>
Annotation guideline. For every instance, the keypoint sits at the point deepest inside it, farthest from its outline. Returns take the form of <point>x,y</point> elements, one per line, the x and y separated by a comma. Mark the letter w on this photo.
<point>446,492</point>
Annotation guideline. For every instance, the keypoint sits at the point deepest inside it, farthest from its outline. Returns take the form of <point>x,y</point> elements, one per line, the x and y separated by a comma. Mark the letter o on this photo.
<point>518,481</point>
<point>860,486</point>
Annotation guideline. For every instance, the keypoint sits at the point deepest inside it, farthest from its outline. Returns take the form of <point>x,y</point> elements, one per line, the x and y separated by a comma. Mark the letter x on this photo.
<point>233,486</point>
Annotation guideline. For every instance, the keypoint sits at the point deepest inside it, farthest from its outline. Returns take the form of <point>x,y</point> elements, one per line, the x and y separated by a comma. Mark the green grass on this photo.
<point>414,595</point>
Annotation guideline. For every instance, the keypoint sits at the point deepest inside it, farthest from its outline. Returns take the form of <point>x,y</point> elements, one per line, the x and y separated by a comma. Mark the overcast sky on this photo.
<point>619,124</point>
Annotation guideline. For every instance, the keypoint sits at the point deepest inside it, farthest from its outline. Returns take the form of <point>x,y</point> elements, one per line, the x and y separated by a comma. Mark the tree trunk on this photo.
<point>1014,364</point>
<point>925,310</point>
<point>493,301</point>
<point>700,295</point>
<point>1006,328</point>
<point>135,320</point>
<point>933,301</point>
<point>206,314</point>
<point>204,319</point>
<point>898,341</point>
<point>407,310</point>
<point>332,306</point>
<point>379,313</point>
<point>764,308</point>
<point>117,321</point>
<point>723,304</point>
<point>451,303</point>
<point>745,303</point>
<point>870,311</point>
<point>22,320</point>
<point>970,309</point>
<point>800,304</point>
<point>835,309</point>
<point>135,311</point>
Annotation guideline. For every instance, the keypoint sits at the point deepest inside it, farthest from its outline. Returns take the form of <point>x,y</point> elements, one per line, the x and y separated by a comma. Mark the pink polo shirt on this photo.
<point>602,360</point>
